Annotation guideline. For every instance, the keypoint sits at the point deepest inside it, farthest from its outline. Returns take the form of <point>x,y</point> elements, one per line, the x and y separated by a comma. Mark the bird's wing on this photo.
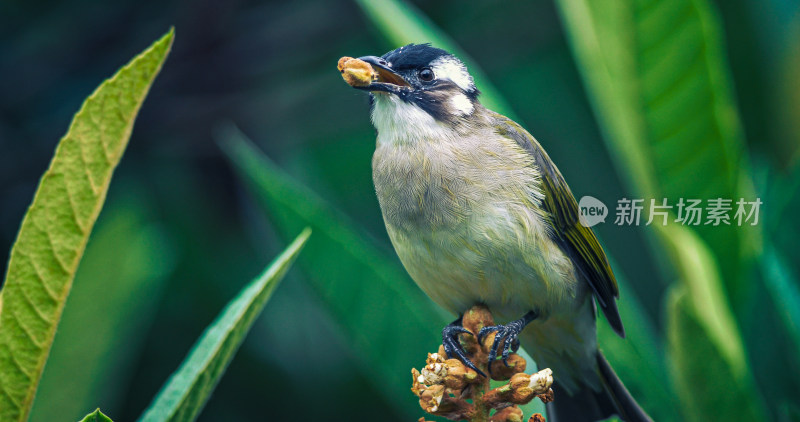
<point>578,241</point>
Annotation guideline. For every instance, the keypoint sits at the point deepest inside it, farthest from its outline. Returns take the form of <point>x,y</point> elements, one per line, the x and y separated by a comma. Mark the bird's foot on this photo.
<point>453,348</point>
<point>507,336</point>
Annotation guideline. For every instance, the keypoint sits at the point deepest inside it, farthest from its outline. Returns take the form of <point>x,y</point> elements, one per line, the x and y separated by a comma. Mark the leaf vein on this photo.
<point>52,249</point>
<point>674,29</point>
<point>681,82</point>
<point>37,273</point>
<point>42,316</point>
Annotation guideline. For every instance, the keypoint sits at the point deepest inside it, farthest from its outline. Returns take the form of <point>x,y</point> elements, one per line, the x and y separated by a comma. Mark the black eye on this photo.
<point>425,75</point>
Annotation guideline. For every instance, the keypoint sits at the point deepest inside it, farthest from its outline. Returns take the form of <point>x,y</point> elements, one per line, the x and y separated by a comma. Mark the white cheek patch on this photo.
<point>451,68</point>
<point>461,104</point>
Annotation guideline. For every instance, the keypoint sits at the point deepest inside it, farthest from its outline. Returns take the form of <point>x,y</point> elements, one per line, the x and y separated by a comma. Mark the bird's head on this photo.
<point>419,87</point>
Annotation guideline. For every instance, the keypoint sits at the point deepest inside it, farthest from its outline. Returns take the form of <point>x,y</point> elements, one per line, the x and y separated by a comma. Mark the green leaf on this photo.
<point>96,416</point>
<point>401,23</point>
<point>657,79</point>
<point>710,369</point>
<point>708,388</point>
<point>93,355</point>
<point>388,320</point>
<point>184,395</point>
<point>56,227</point>
<point>783,287</point>
<point>658,82</point>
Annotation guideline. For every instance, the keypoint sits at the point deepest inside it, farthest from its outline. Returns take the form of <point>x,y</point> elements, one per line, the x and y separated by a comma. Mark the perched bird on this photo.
<point>479,214</point>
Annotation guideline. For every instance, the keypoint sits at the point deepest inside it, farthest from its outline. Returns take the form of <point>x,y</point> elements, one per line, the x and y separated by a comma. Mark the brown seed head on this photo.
<point>448,388</point>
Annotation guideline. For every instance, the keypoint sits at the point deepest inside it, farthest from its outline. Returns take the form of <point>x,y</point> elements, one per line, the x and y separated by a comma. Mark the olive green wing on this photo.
<point>576,240</point>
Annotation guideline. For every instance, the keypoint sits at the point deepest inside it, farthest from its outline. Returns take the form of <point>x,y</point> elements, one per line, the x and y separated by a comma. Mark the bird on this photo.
<point>478,213</point>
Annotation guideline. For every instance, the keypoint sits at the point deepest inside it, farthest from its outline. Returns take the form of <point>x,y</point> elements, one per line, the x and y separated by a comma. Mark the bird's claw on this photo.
<point>506,335</point>
<point>453,348</point>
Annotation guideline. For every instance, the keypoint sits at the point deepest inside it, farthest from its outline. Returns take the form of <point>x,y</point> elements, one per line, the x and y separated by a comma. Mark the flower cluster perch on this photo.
<point>447,388</point>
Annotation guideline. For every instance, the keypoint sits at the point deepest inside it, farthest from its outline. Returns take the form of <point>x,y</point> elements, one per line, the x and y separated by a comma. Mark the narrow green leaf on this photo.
<point>401,23</point>
<point>184,395</point>
<point>389,321</point>
<point>94,355</point>
<point>657,78</point>
<point>57,225</point>
<point>96,416</point>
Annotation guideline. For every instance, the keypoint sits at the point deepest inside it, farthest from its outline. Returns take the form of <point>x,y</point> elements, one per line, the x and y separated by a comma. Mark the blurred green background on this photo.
<point>180,235</point>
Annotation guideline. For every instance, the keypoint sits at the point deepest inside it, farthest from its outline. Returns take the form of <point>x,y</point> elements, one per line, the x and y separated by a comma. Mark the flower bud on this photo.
<point>536,417</point>
<point>435,370</point>
<point>507,414</point>
<point>501,372</point>
<point>525,387</point>
<point>458,375</point>
<point>417,383</point>
<point>476,318</point>
<point>431,398</point>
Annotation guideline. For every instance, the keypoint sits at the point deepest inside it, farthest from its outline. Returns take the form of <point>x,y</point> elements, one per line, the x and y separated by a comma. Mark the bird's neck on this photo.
<point>404,123</point>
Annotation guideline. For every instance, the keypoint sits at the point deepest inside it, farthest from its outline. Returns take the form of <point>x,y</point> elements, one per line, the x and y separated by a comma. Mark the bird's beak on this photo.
<point>386,79</point>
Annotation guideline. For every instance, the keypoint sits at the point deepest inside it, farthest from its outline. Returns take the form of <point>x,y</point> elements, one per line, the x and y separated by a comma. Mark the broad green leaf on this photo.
<point>186,392</point>
<point>401,23</point>
<point>657,80</point>
<point>708,388</point>
<point>389,321</point>
<point>659,86</point>
<point>56,227</point>
<point>709,364</point>
<point>96,416</point>
<point>94,355</point>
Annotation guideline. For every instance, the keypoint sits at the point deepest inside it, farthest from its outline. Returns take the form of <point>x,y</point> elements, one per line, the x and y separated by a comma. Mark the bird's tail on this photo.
<point>585,404</point>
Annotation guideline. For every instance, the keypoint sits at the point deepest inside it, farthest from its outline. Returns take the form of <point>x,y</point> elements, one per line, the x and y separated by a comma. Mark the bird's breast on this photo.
<point>465,219</point>
<point>419,192</point>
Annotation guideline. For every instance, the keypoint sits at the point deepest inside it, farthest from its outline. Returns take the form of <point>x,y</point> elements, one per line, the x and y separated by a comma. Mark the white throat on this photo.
<point>400,122</point>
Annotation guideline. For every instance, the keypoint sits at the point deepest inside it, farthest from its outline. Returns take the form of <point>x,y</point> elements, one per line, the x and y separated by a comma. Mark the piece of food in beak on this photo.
<point>356,72</point>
